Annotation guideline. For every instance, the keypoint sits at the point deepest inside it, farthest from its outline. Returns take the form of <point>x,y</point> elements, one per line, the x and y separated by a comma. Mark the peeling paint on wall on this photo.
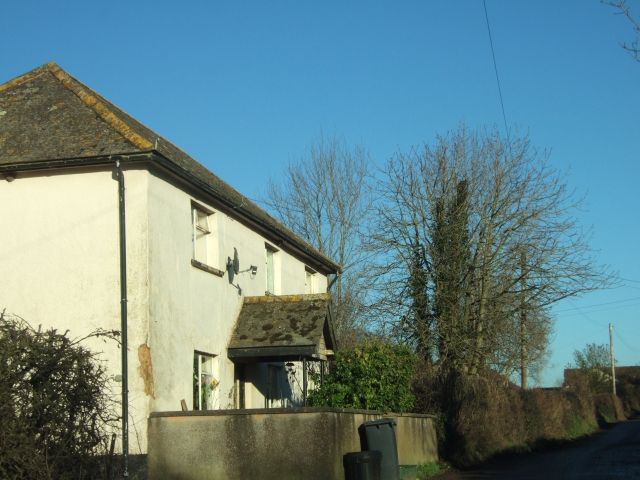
<point>146,369</point>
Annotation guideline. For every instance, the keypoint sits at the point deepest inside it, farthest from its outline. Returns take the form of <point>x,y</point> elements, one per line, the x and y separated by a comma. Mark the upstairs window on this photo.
<point>309,281</point>
<point>270,268</point>
<point>201,222</point>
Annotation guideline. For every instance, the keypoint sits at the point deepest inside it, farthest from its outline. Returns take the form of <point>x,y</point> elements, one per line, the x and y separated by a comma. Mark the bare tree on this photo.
<point>521,349</point>
<point>325,198</point>
<point>622,8</point>
<point>594,362</point>
<point>480,235</point>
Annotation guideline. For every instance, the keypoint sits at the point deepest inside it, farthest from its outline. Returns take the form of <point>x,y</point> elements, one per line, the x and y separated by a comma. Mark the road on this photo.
<point>611,454</point>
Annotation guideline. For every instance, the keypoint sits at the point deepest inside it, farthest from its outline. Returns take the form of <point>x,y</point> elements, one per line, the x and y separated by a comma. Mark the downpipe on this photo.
<point>123,320</point>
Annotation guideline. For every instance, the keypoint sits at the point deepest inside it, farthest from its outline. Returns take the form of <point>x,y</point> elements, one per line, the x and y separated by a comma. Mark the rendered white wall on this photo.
<point>60,258</point>
<point>60,253</point>
<point>191,309</point>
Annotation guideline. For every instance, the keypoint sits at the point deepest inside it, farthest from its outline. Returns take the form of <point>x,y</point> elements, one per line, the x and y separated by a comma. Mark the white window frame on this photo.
<point>202,253</point>
<point>310,281</point>
<point>271,269</point>
<point>206,374</point>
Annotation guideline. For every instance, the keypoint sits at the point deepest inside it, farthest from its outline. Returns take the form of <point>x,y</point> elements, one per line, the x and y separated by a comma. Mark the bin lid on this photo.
<point>382,421</point>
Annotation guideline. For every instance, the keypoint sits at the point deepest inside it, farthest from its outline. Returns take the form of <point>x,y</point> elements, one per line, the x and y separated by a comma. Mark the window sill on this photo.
<point>207,268</point>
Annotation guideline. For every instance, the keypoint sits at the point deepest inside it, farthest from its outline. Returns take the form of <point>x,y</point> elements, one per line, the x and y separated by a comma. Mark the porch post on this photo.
<point>304,381</point>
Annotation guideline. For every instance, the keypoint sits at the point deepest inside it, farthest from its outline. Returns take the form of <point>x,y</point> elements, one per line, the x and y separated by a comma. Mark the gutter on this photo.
<point>99,160</point>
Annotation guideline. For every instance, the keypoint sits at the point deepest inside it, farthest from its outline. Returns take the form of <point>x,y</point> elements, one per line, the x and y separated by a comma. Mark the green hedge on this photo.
<point>486,415</point>
<point>374,376</point>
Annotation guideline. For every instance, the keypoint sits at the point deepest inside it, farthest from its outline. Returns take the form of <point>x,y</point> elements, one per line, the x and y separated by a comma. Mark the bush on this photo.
<point>428,470</point>
<point>629,390</point>
<point>609,408</point>
<point>591,366</point>
<point>53,404</point>
<point>576,427</point>
<point>486,415</point>
<point>373,376</point>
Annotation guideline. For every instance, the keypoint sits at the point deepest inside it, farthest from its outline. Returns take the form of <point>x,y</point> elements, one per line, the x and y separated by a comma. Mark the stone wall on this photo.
<point>301,443</point>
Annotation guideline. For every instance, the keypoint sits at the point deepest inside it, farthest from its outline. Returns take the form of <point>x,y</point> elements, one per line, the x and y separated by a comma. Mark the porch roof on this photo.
<point>287,327</point>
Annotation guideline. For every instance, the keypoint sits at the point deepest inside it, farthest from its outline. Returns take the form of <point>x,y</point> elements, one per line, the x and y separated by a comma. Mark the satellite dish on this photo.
<point>236,262</point>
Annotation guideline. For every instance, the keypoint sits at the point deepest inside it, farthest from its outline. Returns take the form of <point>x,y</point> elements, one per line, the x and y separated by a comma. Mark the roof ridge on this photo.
<point>88,97</point>
<point>25,77</point>
<point>92,100</point>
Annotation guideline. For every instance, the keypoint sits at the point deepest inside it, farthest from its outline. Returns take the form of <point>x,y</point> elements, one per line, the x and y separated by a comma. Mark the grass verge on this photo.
<point>430,469</point>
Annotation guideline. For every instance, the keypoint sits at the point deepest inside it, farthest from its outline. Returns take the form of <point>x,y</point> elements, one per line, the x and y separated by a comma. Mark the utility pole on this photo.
<point>613,358</point>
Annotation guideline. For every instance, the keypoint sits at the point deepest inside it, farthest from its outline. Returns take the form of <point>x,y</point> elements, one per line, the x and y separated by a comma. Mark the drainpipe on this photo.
<point>333,280</point>
<point>123,321</point>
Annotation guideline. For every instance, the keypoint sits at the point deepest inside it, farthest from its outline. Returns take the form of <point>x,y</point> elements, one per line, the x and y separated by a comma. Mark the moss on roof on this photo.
<point>40,119</point>
<point>283,321</point>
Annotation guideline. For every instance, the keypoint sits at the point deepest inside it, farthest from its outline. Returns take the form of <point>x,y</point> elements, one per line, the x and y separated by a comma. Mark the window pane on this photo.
<point>270,272</point>
<point>308,286</point>
<point>202,221</point>
<point>201,236</point>
<point>205,383</point>
<point>200,247</point>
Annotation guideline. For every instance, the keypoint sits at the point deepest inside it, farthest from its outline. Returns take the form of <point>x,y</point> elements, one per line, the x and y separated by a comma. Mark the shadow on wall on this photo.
<point>271,380</point>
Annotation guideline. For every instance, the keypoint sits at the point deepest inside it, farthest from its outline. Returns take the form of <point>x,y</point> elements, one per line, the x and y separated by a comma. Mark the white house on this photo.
<point>223,303</point>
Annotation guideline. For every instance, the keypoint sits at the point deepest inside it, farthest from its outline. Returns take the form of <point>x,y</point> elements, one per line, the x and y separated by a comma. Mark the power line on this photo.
<point>622,340</point>
<point>599,304</point>
<point>600,310</point>
<point>581,313</point>
<point>615,332</point>
<point>495,68</point>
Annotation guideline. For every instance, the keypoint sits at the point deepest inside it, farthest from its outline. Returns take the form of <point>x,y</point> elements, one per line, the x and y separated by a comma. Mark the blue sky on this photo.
<point>245,87</point>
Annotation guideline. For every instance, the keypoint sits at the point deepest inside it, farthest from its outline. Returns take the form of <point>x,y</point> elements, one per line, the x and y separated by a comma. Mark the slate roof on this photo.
<point>287,326</point>
<point>46,115</point>
<point>41,119</point>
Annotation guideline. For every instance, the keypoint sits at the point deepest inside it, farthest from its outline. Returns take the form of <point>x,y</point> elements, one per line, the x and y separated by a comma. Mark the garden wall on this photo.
<point>276,444</point>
